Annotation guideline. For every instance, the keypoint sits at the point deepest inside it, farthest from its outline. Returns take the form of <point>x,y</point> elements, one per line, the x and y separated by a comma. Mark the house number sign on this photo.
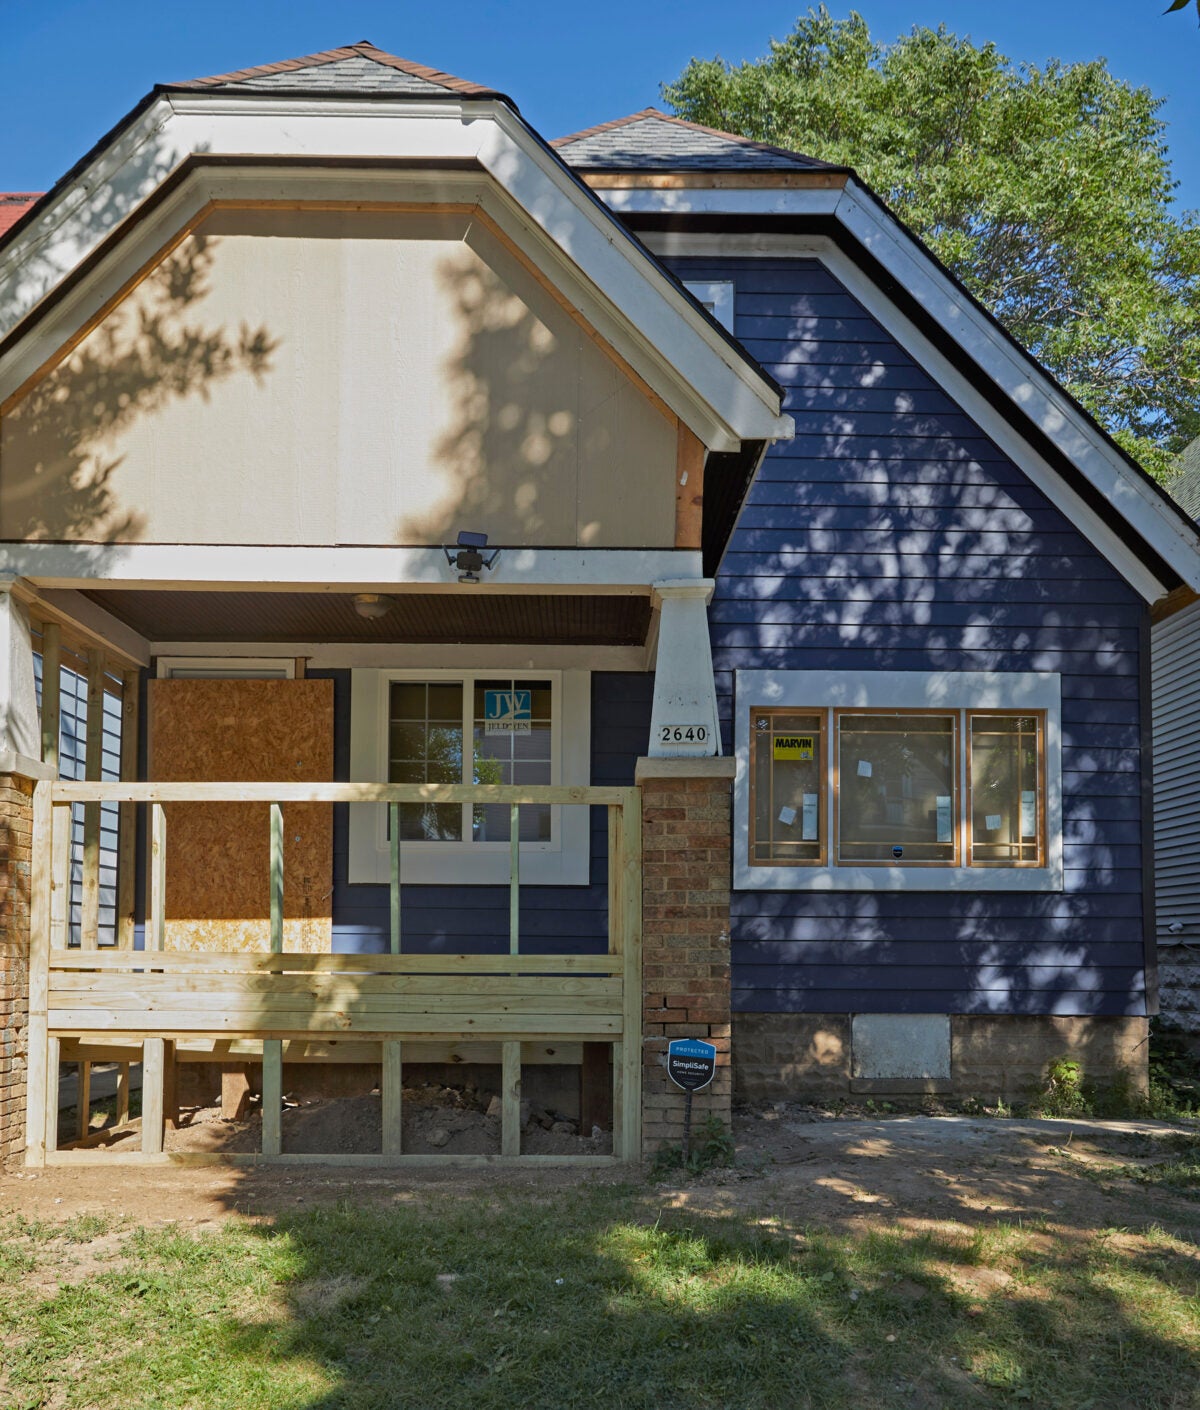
<point>683,734</point>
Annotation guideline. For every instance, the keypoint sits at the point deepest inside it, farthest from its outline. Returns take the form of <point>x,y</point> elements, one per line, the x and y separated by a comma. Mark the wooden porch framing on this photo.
<point>89,998</point>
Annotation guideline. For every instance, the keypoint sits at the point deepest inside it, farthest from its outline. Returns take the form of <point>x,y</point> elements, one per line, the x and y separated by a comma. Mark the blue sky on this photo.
<point>70,70</point>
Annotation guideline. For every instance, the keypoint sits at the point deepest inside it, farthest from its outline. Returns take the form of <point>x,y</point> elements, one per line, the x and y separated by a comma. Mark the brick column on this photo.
<point>686,866</point>
<point>16,832</point>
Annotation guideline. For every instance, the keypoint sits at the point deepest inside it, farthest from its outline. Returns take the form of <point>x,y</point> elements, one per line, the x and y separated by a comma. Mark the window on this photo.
<point>839,790</point>
<point>486,727</point>
<point>716,295</point>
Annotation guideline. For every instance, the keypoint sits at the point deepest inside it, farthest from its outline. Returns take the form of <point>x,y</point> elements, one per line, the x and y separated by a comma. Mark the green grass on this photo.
<point>593,1296</point>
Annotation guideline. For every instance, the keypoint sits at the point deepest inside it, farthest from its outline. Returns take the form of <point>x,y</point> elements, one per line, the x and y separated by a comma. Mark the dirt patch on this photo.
<point>816,1172</point>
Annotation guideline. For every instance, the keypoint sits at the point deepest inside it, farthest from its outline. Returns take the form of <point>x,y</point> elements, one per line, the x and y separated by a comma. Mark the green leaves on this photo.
<point>1181,5</point>
<point>1048,191</point>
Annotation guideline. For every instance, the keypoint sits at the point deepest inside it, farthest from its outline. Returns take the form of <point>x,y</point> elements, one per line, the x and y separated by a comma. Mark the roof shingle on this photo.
<point>655,141</point>
<point>356,68</point>
<point>13,205</point>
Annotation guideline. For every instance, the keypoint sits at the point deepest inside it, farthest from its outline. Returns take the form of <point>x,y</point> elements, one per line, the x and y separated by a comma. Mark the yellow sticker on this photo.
<point>793,746</point>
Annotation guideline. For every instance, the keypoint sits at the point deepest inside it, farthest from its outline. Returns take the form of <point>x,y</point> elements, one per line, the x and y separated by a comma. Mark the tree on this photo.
<point>1047,191</point>
<point>1181,5</point>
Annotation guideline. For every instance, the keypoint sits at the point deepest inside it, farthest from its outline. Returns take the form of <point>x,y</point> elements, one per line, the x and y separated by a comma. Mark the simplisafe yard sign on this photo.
<point>691,1063</point>
<point>507,711</point>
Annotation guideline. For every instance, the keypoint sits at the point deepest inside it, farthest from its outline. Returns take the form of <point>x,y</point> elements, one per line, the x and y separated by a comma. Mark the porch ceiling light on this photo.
<point>468,558</point>
<point>372,604</point>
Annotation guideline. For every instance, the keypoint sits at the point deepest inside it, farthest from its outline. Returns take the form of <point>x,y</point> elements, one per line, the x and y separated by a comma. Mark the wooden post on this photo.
<point>272,1096</point>
<point>514,880</point>
<point>40,1051</point>
<point>51,692</point>
<point>235,1092</point>
<point>93,769</point>
<point>631,939</point>
<point>84,1103</point>
<point>391,1093</point>
<point>53,1069</point>
<point>127,830</point>
<point>595,1088</point>
<point>510,1099</point>
<point>122,1115</point>
<point>394,841</point>
<point>156,930</point>
<point>153,1055</point>
<point>154,1050</point>
<point>276,879</point>
<point>272,1068</point>
<point>127,851</point>
<point>60,867</point>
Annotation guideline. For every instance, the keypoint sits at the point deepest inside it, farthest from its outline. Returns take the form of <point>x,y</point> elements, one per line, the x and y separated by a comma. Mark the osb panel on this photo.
<point>218,854</point>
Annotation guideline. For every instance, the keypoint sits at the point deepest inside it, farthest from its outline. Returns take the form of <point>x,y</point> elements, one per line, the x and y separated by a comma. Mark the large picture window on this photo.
<point>464,727</point>
<point>837,794</point>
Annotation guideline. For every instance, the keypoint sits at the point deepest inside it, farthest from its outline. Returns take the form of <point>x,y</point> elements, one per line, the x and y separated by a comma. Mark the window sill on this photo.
<point>885,878</point>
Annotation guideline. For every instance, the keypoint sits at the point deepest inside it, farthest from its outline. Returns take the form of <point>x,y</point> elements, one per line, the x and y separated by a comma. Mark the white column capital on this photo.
<point>677,589</point>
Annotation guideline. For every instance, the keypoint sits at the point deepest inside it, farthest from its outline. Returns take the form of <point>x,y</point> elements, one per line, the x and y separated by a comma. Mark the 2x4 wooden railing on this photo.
<point>153,997</point>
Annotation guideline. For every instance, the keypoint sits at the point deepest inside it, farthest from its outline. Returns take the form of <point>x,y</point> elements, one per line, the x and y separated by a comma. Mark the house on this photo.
<point>803,708</point>
<point>1175,650</point>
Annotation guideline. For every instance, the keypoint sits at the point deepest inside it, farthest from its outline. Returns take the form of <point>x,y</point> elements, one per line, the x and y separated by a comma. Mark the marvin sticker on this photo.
<point>793,746</point>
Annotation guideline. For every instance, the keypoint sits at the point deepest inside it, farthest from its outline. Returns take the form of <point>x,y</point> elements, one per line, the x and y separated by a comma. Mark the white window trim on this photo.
<point>563,861</point>
<point>716,295</point>
<point>226,668</point>
<point>903,690</point>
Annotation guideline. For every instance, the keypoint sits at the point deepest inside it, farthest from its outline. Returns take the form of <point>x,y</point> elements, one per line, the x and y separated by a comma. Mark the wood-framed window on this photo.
<point>787,788</point>
<point>1005,772</point>
<point>909,788</point>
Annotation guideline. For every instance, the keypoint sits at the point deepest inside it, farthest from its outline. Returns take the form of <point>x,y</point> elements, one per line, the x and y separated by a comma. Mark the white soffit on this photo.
<point>1030,389</point>
<point>657,328</point>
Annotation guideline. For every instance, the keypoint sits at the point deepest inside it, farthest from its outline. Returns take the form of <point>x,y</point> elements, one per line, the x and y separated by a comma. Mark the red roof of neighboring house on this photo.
<point>13,205</point>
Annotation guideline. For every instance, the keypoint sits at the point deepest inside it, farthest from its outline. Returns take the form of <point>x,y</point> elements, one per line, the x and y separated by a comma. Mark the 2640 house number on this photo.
<point>683,734</point>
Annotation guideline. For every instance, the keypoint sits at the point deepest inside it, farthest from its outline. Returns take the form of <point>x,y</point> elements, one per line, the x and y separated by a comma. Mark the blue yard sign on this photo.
<point>691,1063</point>
<point>507,711</point>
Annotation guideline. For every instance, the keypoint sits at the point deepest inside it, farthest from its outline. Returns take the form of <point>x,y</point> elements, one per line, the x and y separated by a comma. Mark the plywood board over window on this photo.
<point>244,731</point>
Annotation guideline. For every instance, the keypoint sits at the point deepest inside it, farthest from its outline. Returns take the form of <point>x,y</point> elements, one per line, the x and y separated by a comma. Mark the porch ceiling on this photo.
<point>469,617</point>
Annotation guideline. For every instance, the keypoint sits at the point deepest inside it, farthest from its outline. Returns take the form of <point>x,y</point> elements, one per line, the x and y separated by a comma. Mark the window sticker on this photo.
<point>808,825</point>
<point>1029,825</point>
<point>793,746</point>
<point>864,768</point>
<point>787,816</point>
<point>992,822</point>
<point>508,711</point>
<point>945,818</point>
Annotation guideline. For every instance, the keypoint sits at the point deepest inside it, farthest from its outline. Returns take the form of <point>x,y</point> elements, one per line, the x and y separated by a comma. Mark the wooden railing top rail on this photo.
<point>90,792</point>
<point>232,962</point>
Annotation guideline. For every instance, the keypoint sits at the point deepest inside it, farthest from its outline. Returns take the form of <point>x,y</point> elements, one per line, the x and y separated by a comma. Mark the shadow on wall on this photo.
<point>512,438</point>
<point>142,356</point>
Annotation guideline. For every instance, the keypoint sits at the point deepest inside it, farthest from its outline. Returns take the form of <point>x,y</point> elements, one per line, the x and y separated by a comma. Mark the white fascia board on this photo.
<point>272,568</point>
<point>914,342</point>
<point>716,393</point>
<point>688,200</point>
<point>325,655</point>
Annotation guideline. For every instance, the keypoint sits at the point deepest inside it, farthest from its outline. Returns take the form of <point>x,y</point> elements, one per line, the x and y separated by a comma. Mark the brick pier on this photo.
<point>686,812</point>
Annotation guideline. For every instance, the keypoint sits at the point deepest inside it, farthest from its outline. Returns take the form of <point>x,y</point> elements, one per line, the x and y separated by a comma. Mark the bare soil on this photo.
<point>795,1163</point>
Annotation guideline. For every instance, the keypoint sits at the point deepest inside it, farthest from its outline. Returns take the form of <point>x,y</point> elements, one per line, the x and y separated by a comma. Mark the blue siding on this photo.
<point>554,919</point>
<point>891,534</point>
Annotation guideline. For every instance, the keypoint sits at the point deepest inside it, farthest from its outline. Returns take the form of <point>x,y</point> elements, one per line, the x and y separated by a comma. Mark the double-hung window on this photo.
<point>840,790</point>
<point>470,727</point>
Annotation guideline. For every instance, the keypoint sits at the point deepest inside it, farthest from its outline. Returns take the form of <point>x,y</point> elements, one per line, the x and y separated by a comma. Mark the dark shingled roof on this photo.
<point>1184,488</point>
<point>357,68</point>
<point>654,141</point>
